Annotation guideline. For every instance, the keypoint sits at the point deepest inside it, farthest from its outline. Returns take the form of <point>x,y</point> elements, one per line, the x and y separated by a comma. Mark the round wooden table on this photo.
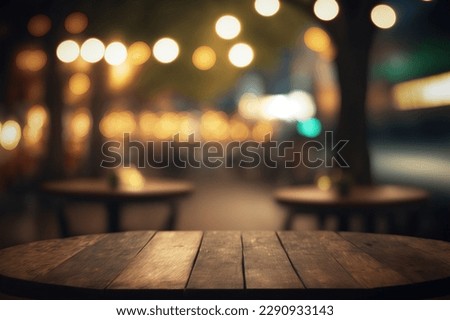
<point>98,190</point>
<point>228,264</point>
<point>368,200</point>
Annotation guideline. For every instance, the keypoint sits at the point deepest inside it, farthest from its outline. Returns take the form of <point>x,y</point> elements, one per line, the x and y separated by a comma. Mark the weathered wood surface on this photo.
<point>228,264</point>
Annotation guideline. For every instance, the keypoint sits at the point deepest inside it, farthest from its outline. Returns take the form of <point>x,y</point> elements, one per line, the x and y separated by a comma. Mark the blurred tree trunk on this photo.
<point>352,32</point>
<point>98,102</point>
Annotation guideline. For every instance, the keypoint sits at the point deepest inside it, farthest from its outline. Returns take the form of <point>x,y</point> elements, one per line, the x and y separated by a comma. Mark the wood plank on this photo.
<point>316,266</point>
<point>266,263</point>
<point>28,261</point>
<point>365,269</point>
<point>164,263</point>
<point>97,265</point>
<point>219,262</point>
<point>416,265</point>
<point>440,249</point>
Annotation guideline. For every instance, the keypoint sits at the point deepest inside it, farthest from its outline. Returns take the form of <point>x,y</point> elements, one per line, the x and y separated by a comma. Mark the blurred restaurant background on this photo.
<point>74,74</point>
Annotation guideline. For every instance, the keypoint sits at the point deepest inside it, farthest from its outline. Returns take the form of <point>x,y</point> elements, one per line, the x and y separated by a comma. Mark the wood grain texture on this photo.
<point>96,266</point>
<point>28,261</point>
<point>164,263</point>
<point>315,265</point>
<point>219,262</point>
<point>416,265</point>
<point>266,263</point>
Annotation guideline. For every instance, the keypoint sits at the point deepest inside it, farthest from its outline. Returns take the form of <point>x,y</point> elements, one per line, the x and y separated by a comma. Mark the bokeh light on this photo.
<point>115,123</point>
<point>138,53</point>
<point>167,126</point>
<point>31,60</point>
<point>238,130</point>
<point>39,25</point>
<point>310,128</point>
<point>130,178</point>
<point>115,53</point>
<point>214,126</point>
<point>76,22</point>
<point>79,83</point>
<point>36,117</point>
<point>326,10</point>
<point>68,51</point>
<point>10,135</point>
<point>228,27</point>
<point>204,58</point>
<point>267,8</point>
<point>166,50</point>
<point>120,76</point>
<point>92,50</point>
<point>261,130</point>
<point>241,55</point>
<point>317,39</point>
<point>80,124</point>
<point>324,183</point>
<point>249,106</point>
<point>383,16</point>
<point>147,123</point>
<point>32,136</point>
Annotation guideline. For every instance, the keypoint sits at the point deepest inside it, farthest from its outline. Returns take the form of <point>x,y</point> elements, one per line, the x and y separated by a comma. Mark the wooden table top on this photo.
<point>359,196</point>
<point>98,189</point>
<point>227,264</point>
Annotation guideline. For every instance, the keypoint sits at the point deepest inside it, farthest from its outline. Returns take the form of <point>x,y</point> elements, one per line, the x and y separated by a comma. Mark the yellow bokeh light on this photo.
<point>116,123</point>
<point>166,50</point>
<point>32,136</point>
<point>267,8</point>
<point>80,125</point>
<point>138,53</point>
<point>147,123</point>
<point>116,53</point>
<point>214,126</point>
<point>241,55</point>
<point>238,130</point>
<point>31,60</point>
<point>79,83</point>
<point>39,25</point>
<point>36,117</point>
<point>383,16</point>
<point>68,51</point>
<point>249,106</point>
<point>317,39</point>
<point>92,50</point>
<point>261,129</point>
<point>228,27</point>
<point>204,58</point>
<point>130,178</point>
<point>167,126</point>
<point>76,22</point>
<point>324,183</point>
<point>326,10</point>
<point>10,135</point>
<point>120,76</point>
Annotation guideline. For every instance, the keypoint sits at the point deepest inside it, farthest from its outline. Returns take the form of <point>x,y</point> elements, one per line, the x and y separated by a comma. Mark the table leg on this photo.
<point>289,220</point>
<point>173,213</point>
<point>62,221</point>
<point>370,223</point>
<point>113,211</point>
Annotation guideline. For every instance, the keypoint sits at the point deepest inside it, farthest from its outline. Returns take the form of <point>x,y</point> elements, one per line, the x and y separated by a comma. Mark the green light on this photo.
<point>310,128</point>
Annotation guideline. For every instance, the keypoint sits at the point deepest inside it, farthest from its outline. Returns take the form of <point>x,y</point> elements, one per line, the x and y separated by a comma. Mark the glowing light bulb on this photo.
<point>383,16</point>
<point>68,51</point>
<point>267,8</point>
<point>241,55</point>
<point>166,50</point>
<point>92,50</point>
<point>326,10</point>
<point>228,27</point>
<point>115,53</point>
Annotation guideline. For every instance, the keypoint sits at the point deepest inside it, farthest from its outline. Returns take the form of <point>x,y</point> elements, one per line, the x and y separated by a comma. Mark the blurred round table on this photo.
<point>98,190</point>
<point>364,199</point>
